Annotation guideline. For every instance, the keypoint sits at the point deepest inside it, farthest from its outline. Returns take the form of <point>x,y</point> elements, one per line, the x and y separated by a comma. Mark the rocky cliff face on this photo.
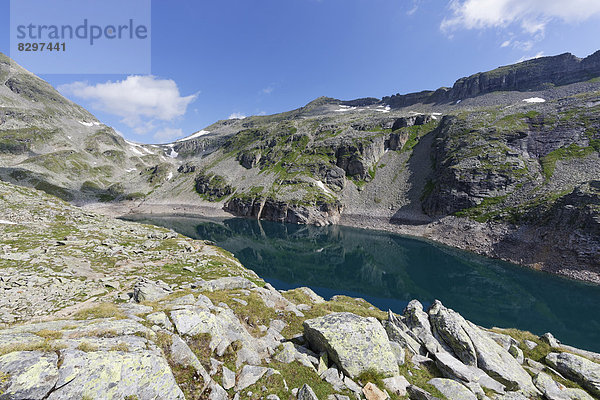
<point>531,75</point>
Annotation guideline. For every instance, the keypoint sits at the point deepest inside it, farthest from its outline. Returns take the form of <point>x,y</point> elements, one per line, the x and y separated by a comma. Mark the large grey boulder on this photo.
<point>582,370</point>
<point>227,283</point>
<point>555,391</point>
<point>448,326</point>
<point>114,375</point>
<point>147,290</point>
<point>27,375</point>
<point>398,332</point>
<point>356,344</point>
<point>465,339</point>
<point>418,322</point>
<point>454,369</point>
<point>223,326</point>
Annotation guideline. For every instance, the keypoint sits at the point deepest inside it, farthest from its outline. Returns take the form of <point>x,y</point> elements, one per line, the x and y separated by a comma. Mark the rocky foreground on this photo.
<point>98,308</point>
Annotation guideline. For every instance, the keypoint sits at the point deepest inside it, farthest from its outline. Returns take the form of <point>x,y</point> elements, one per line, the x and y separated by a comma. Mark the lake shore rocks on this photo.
<point>168,317</point>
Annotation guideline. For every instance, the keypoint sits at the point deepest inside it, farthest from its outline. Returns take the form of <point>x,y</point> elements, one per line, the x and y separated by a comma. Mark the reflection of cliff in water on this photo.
<point>389,270</point>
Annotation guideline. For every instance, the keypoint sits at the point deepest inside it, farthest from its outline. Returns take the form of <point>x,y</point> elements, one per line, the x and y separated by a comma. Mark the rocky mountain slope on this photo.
<point>505,163</point>
<point>94,307</point>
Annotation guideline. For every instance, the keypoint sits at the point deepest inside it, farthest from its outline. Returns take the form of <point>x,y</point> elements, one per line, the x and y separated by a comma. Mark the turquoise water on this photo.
<point>389,270</point>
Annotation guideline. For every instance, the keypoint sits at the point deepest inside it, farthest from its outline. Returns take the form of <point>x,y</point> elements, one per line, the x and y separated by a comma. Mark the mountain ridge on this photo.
<point>495,173</point>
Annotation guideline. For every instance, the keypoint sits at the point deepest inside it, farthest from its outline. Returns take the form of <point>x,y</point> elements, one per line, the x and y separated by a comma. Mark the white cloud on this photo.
<point>525,58</point>
<point>506,43</point>
<point>168,134</point>
<point>139,100</point>
<point>236,115</point>
<point>414,8</point>
<point>267,90</point>
<point>531,15</point>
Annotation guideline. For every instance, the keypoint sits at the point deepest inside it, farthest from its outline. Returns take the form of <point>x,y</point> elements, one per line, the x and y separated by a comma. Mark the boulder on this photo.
<point>27,375</point>
<point>293,352</point>
<point>398,332</point>
<point>448,326</point>
<point>416,393</point>
<point>250,374</point>
<point>160,319</point>
<point>464,338</point>
<point>555,391</point>
<point>335,378</point>
<point>182,355</point>
<point>454,369</point>
<point>356,344</point>
<point>396,384</point>
<point>147,290</point>
<point>228,378</point>
<point>582,370</point>
<point>372,392</point>
<point>223,327</point>
<point>217,392</point>
<point>418,323</point>
<point>549,339</point>
<point>306,393</point>
<point>227,283</point>
<point>114,375</point>
<point>452,390</point>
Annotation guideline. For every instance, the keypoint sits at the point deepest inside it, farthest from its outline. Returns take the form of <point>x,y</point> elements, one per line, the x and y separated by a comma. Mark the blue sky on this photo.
<point>214,59</point>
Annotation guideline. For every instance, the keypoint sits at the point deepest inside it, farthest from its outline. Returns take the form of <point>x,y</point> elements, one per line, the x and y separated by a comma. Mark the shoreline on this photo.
<point>496,241</point>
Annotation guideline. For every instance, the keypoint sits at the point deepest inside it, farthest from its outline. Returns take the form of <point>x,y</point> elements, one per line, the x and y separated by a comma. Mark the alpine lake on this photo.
<point>389,270</point>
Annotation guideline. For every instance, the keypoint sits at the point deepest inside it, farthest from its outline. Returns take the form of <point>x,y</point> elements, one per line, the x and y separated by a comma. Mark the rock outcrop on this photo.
<point>354,343</point>
<point>528,75</point>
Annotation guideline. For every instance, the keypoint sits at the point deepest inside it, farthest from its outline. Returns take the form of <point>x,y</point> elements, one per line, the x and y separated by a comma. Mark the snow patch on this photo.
<point>130,170</point>
<point>136,151</point>
<point>5,222</point>
<point>195,135</point>
<point>458,101</point>
<point>170,176</point>
<point>534,100</point>
<point>86,123</point>
<point>322,186</point>
<point>345,108</point>
<point>173,153</point>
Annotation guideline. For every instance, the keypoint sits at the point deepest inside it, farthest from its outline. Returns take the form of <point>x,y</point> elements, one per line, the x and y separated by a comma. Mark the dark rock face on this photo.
<point>282,211</point>
<point>404,122</point>
<point>213,187</point>
<point>367,101</point>
<point>469,169</point>
<point>476,161</point>
<point>356,158</point>
<point>540,73</point>
<point>249,160</point>
<point>186,169</point>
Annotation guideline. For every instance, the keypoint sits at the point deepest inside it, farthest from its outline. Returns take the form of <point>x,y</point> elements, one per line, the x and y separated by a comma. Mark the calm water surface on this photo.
<point>389,270</point>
